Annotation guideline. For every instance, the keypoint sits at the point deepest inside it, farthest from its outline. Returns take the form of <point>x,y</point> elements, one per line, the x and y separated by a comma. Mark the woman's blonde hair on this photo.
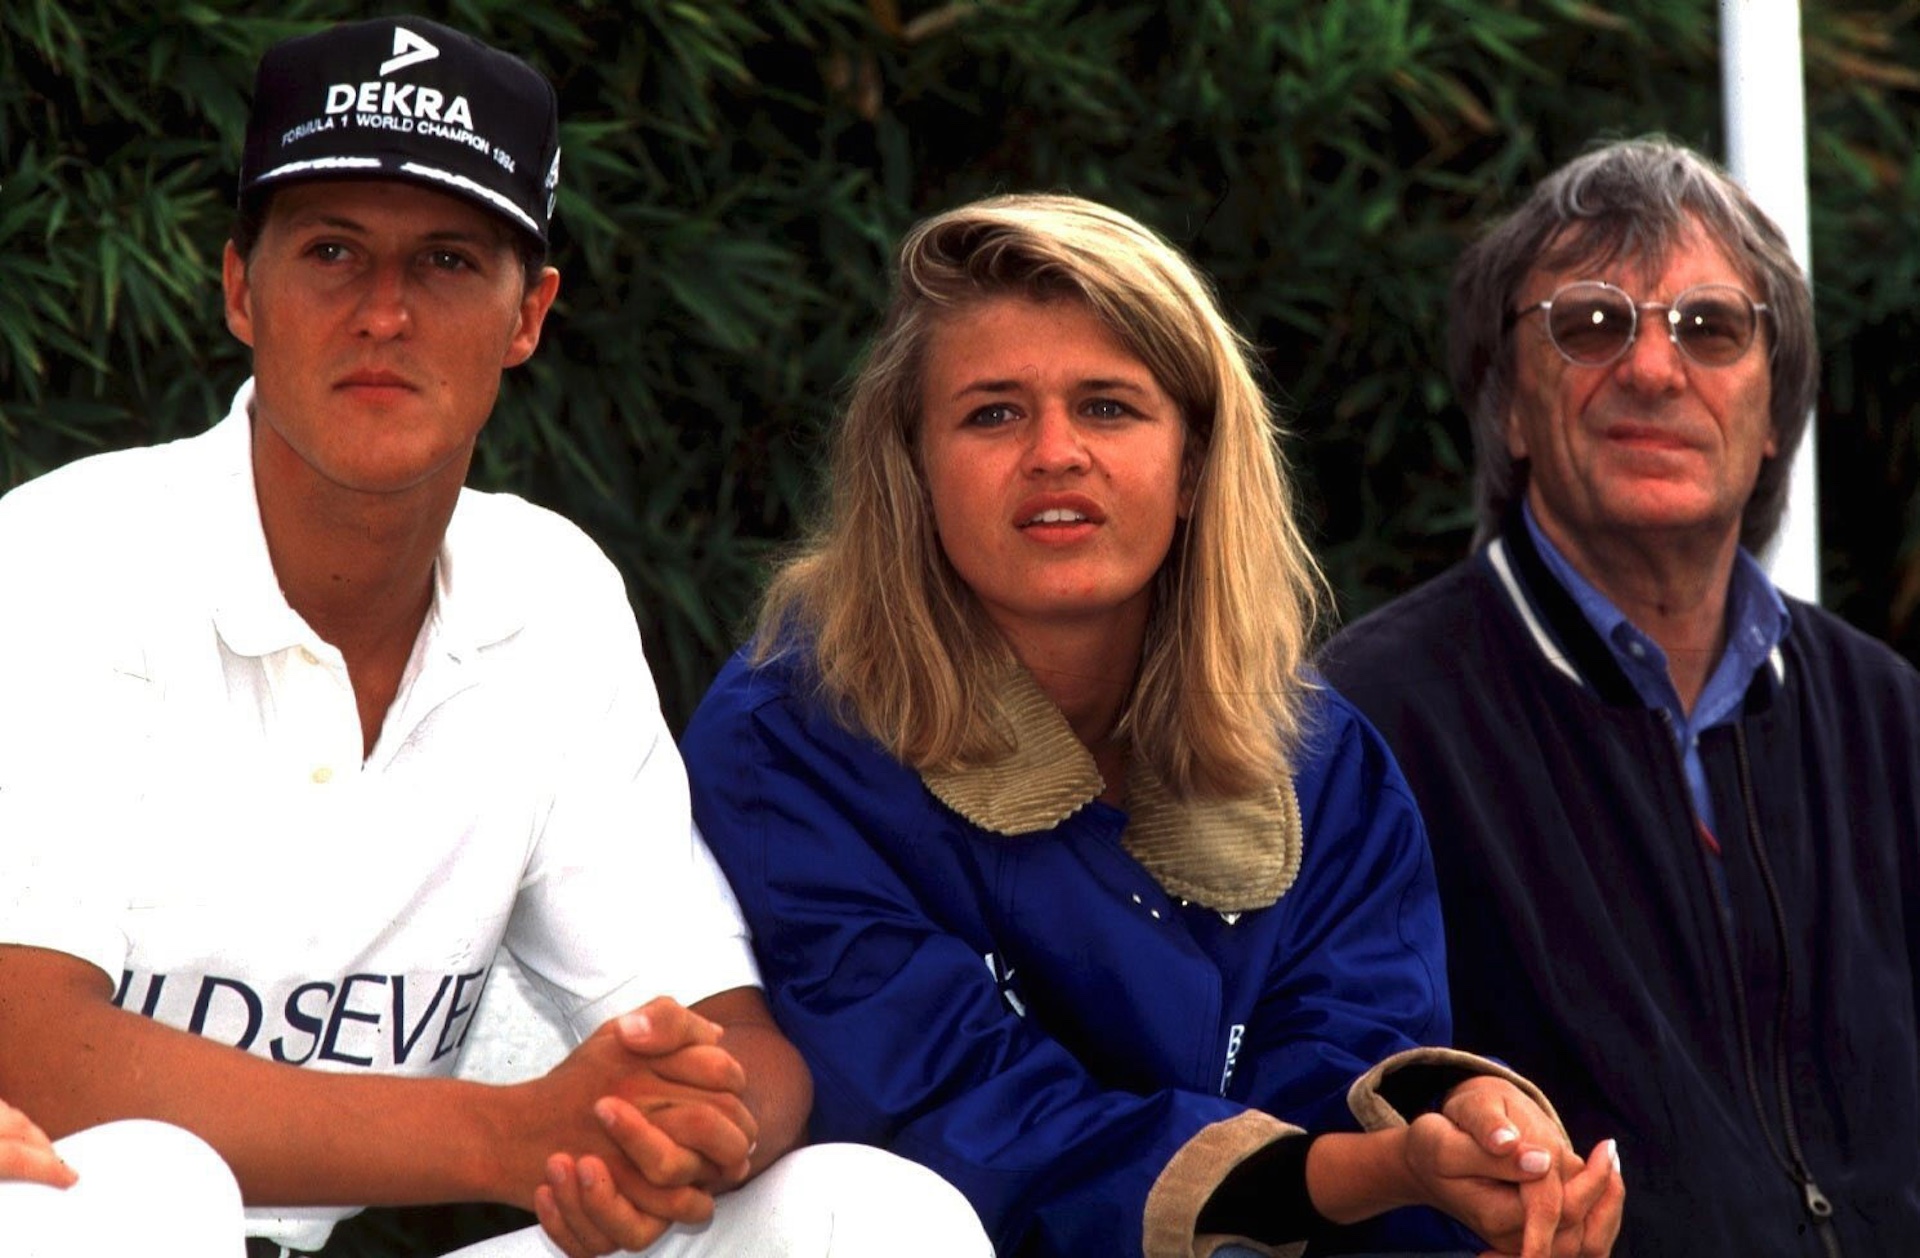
<point>897,641</point>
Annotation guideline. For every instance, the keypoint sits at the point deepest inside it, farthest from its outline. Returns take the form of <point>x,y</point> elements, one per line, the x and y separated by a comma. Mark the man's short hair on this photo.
<point>1627,200</point>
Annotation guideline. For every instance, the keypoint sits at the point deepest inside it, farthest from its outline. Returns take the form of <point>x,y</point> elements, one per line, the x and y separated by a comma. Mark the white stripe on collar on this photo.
<point>1497,555</point>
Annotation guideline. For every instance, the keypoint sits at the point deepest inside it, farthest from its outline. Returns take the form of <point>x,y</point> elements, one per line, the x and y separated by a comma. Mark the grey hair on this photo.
<point>1633,200</point>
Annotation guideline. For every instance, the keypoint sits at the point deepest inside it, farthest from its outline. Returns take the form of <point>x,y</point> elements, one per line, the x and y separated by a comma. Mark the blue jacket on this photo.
<point>1747,1025</point>
<point>1034,1016</point>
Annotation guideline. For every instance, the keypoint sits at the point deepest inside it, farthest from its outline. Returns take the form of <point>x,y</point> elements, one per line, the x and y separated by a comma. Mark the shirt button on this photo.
<point>1637,651</point>
<point>322,775</point>
<point>308,657</point>
<point>1156,913</point>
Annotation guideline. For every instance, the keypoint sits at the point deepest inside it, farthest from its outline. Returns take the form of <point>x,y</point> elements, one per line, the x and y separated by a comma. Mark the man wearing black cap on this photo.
<point>299,731</point>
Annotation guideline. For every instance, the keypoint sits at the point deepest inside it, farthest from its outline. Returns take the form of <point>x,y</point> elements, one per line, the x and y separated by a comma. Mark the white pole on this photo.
<point>1766,115</point>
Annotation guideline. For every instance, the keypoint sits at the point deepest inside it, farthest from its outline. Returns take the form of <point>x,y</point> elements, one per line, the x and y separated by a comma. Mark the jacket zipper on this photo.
<point>1792,1158</point>
<point>1819,1208</point>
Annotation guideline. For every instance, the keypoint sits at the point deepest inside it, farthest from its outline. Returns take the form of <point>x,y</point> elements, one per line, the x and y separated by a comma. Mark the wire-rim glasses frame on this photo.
<point>1593,323</point>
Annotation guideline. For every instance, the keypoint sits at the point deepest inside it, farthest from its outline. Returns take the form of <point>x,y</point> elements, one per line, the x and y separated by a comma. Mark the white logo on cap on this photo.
<point>408,50</point>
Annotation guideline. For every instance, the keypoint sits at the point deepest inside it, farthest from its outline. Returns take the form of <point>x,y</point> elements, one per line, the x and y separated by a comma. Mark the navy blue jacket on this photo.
<point>1035,1017</point>
<point>1750,1062</point>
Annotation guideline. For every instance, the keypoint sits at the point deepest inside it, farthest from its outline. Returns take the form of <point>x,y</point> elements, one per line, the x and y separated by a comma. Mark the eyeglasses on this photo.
<point>1593,323</point>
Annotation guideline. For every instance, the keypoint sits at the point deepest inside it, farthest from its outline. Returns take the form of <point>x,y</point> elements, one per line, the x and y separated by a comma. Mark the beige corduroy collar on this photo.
<point>1229,855</point>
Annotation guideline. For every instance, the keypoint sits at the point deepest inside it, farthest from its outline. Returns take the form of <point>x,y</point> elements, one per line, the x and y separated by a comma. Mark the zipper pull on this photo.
<point>1817,1204</point>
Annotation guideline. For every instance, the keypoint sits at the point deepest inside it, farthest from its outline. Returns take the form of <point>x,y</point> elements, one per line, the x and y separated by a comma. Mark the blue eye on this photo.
<point>1107,408</point>
<point>991,416</point>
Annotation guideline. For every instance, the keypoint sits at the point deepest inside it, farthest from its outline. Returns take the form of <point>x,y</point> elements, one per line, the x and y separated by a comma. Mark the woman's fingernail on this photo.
<point>1533,1161</point>
<point>1505,1136</point>
<point>604,1111</point>
<point>1613,1152</point>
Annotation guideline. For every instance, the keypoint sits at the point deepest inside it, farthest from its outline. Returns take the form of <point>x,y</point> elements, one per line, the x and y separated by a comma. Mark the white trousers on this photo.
<point>144,1187</point>
<point>843,1200</point>
<point>824,1201</point>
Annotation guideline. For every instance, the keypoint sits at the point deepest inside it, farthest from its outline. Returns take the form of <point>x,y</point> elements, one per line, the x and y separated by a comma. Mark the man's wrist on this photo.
<point>499,1163</point>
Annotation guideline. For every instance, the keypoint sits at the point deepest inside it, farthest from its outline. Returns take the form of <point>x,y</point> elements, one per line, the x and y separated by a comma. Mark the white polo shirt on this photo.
<point>184,804</point>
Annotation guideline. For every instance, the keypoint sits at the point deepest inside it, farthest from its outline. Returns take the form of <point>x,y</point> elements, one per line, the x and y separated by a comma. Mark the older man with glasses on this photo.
<point>1675,814</point>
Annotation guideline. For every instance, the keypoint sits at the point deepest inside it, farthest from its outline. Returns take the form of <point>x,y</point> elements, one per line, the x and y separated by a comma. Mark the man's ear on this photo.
<point>239,294</point>
<point>1516,434</point>
<point>534,304</point>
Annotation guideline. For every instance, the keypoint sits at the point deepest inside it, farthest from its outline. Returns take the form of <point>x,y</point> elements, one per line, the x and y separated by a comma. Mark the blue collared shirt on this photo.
<point>1756,623</point>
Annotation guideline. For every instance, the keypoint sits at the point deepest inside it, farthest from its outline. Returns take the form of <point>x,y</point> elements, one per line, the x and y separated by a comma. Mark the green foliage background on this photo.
<point>734,176</point>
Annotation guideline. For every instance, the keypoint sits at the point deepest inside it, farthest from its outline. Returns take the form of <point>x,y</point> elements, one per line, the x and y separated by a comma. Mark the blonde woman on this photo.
<point>1065,876</point>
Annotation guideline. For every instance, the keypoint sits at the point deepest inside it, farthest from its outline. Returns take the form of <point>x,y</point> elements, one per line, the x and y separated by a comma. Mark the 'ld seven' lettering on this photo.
<point>361,1020</point>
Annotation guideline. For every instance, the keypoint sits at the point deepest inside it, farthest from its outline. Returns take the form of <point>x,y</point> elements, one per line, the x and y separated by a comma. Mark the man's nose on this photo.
<point>385,306</point>
<point>1653,363</point>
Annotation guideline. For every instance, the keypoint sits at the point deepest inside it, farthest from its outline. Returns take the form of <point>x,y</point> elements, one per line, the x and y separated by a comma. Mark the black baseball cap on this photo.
<point>405,98</point>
